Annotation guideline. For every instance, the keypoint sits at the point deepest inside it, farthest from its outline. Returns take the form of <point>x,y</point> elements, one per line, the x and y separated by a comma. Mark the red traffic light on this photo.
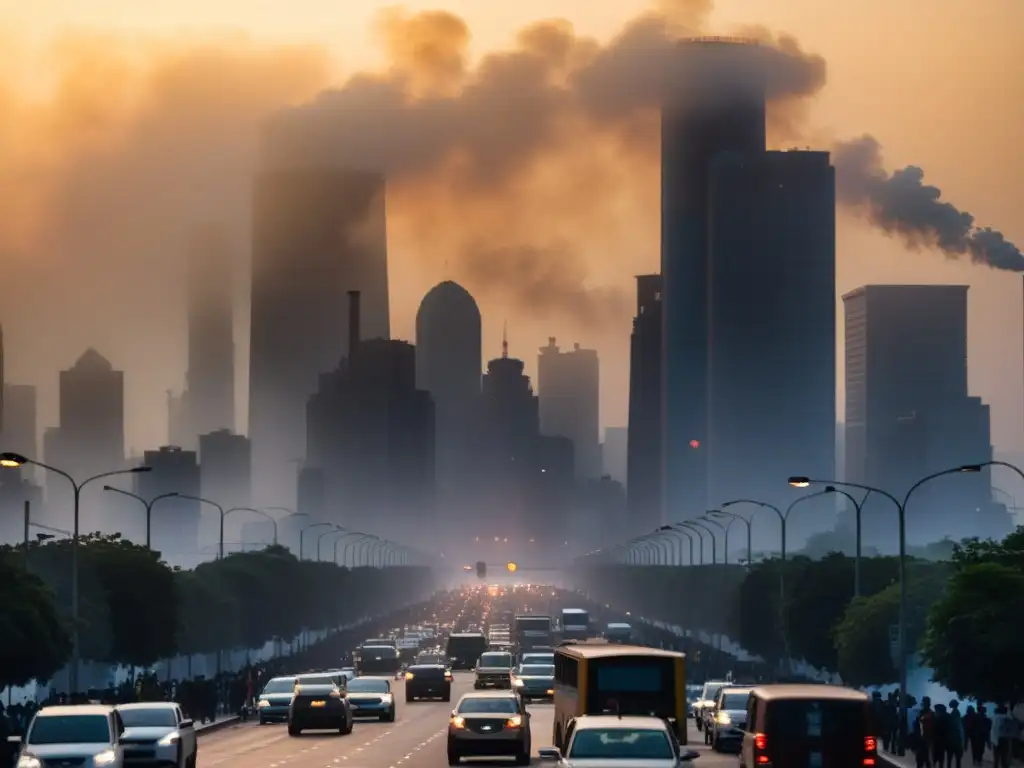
<point>695,443</point>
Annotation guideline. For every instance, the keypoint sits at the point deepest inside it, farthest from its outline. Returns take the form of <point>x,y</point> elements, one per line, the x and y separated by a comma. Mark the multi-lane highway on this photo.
<point>415,740</point>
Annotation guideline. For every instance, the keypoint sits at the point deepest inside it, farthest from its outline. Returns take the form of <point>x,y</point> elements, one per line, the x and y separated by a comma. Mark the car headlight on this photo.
<point>387,696</point>
<point>722,718</point>
<point>169,739</point>
<point>263,703</point>
<point>519,683</point>
<point>28,761</point>
<point>106,757</point>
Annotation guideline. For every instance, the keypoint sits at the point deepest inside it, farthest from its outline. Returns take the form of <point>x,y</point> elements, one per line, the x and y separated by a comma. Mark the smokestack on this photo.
<point>353,322</point>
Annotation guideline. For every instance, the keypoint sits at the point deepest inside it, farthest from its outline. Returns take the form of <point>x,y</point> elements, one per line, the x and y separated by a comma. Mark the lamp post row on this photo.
<point>377,550</point>
<point>644,549</point>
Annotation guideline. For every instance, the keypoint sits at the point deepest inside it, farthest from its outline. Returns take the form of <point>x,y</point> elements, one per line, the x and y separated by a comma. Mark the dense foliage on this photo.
<point>963,607</point>
<point>135,610</point>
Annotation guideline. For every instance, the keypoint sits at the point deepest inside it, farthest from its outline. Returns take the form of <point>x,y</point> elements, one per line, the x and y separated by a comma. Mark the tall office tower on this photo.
<point>645,443</point>
<point>449,366</point>
<point>175,521</point>
<point>718,107</point>
<point>2,378</point>
<point>225,471</point>
<point>614,452</point>
<point>211,336</point>
<point>772,332</point>
<point>909,413</point>
<point>16,484</point>
<point>516,460</point>
<point>90,438</point>
<point>317,234</point>
<point>371,432</point>
<point>568,385</point>
<point>178,427</point>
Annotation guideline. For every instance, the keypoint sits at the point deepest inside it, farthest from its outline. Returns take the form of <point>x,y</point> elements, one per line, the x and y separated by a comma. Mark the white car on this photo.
<point>706,700</point>
<point>605,741</point>
<point>87,735</point>
<point>158,731</point>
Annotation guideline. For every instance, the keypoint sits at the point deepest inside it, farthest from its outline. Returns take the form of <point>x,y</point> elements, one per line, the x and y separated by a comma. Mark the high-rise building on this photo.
<point>449,366</point>
<point>909,412</point>
<point>211,336</point>
<point>614,453</point>
<point>718,107</point>
<point>174,528</point>
<point>771,330</point>
<point>90,438</point>
<point>225,470</point>
<point>568,386</point>
<point>525,473</point>
<point>16,484</point>
<point>178,426</point>
<point>645,444</point>
<point>371,432</point>
<point>317,234</point>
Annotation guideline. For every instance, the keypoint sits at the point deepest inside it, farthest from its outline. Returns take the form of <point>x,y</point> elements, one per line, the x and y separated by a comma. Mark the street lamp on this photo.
<point>668,529</point>
<point>302,536</point>
<point>338,541</point>
<point>260,512</point>
<point>799,481</point>
<point>723,528</point>
<point>710,532</point>
<point>147,504</point>
<point>698,532</point>
<point>355,544</point>
<point>745,520</point>
<point>289,513</point>
<point>14,460</point>
<point>334,529</point>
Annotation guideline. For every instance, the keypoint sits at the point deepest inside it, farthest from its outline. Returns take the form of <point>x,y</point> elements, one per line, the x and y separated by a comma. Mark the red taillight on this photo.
<point>870,744</point>
<point>760,742</point>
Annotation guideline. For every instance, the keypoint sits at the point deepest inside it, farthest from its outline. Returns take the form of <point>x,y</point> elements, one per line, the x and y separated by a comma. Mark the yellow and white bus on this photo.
<point>598,678</point>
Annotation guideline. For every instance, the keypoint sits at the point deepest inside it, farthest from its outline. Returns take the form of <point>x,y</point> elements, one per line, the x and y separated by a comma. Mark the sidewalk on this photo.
<point>909,761</point>
<point>224,722</point>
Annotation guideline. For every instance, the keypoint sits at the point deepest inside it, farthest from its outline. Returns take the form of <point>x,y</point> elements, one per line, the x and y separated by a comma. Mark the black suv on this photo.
<point>320,703</point>
<point>428,681</point>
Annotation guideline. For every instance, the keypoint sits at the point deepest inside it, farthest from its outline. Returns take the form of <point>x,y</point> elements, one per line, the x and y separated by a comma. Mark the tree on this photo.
<point>862,637</point>
<point>34,641</point>
<point>206,616</point>
<point>972,641</point>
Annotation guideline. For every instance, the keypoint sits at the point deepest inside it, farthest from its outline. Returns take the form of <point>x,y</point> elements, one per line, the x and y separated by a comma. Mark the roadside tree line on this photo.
<point>136,610</point>
<point>963,613</point>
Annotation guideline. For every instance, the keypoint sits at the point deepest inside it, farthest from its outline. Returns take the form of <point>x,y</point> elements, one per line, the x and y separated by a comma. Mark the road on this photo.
<point>416,740</point>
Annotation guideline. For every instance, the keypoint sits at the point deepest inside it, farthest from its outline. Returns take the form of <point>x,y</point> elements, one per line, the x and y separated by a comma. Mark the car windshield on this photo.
<point>537,670</point>
<point>150,717</point>
<point>70,729</point>
<point>316,680</point>
<point>539,658</point>
<point>711,691</point>
<point>430,660</point>
<point>735,701</point>
<point>280,685</point>
<point>620,744</point>
<point>496,660</point>
<point>496,705</point>
<point>368,685</point>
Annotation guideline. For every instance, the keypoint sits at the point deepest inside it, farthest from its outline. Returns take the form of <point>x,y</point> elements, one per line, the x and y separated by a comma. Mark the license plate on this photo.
<point>318,704</point>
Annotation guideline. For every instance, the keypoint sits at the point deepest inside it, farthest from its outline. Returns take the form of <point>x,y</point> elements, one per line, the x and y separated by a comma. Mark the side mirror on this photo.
<point>186,724</point>
<point>688,756</point>
<point>455,712</point>
<point>550,754</point>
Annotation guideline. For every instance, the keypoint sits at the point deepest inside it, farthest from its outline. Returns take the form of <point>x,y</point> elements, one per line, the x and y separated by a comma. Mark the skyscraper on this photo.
<point>225,469</point>
<point>646,416</point>
<point>449,366</point>
<point>371,433</point>
<point>175,521</point>
<point>614,452</point>
<point>211,342</point>
<point>317,234</point>
<point>909,412</point>
<point>771,330</point>
<point>568,385</point>
<point>718,107</point>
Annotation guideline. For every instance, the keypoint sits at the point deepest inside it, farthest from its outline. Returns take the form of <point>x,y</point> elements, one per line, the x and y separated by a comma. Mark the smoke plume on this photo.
<point>901,204</point>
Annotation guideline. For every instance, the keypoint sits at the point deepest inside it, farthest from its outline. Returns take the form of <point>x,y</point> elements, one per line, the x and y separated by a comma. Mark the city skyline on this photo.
<point>126,323</point>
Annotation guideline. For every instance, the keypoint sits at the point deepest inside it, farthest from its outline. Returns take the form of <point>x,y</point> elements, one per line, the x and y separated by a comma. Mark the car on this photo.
<point>537,657</point>
<point>319,702</point>
<point>494,670</point>
<point>728,719</point>
<point>489,724</point>
<point>371,697</point>
<point>706,700</point>
<point>596,741</point>
<point>275,699</point>
<point>534,681</point>
<point>428,681</point>
<point>72,735</point>
<point>158,731</point>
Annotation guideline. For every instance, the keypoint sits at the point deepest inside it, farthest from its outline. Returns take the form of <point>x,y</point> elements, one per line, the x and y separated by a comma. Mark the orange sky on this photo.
<point>938,89</point>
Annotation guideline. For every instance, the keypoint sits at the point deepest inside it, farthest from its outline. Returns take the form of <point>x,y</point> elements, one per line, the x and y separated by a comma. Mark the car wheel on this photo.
<point>523,757</point>
<point>192,760</point>
<point>346,726</point>
<point>715,746</point>
<point>262,721</point>
<point>293,730</point>
<point>409,699</point>
<point>453,758</point>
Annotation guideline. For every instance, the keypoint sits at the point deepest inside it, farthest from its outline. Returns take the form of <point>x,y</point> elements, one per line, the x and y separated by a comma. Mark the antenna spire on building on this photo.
<point>504,340</point>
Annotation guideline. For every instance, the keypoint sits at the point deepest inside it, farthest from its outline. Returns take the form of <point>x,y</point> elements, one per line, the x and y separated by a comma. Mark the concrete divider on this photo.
<point>217,725</point>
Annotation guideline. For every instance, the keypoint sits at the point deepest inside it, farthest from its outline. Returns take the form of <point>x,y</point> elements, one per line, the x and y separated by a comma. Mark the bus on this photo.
<point>532,630</point>
<point>618,632</point>
<point>593,679</point>
<point>575,624</point>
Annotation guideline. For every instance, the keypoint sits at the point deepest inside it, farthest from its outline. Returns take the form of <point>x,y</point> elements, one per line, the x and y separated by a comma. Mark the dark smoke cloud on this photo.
<point>902,204</point>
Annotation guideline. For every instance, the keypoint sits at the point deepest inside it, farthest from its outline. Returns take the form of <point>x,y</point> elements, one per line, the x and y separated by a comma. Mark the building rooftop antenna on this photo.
<point>504,341</point>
